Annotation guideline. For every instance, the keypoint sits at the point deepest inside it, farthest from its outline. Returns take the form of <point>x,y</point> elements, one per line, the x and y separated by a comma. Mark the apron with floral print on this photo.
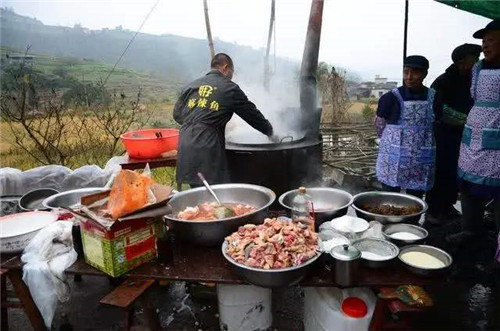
<point>407,151</point>
<point>479,160</point>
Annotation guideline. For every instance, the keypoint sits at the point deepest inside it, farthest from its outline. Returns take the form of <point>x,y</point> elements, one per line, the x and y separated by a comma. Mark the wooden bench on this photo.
<point>129,292</point>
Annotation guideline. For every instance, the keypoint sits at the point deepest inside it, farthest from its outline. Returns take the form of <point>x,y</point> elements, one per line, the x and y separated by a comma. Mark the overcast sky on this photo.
<point>365,36</point>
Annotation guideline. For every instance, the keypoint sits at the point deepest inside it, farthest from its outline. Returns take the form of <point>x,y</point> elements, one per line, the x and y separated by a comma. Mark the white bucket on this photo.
<point>244,307</point>
<point>323,312</point>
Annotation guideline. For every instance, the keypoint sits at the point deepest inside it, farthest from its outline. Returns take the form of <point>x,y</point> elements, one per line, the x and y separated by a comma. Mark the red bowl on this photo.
<point>144,144</point>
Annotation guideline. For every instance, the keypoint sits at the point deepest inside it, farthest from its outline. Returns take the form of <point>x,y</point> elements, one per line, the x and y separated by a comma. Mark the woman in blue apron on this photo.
<point>405,120</point>
<point>479,162</point>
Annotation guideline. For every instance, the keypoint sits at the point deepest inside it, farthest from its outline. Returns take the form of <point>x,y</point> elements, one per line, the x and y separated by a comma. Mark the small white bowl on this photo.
<point>349,224</point>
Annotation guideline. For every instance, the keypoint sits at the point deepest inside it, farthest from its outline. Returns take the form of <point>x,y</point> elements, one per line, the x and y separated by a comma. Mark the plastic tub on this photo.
<point>150,143</point>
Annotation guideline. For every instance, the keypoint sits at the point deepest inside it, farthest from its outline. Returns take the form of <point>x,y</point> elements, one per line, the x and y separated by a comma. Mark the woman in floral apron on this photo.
<point>479,162</point>
<point>405,120</point>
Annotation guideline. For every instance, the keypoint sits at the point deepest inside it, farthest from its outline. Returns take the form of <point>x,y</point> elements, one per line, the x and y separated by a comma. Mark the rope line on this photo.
<point>131,40</point>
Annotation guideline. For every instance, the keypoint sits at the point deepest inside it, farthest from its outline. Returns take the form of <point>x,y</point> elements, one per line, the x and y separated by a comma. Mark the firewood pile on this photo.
<point>349,150</point>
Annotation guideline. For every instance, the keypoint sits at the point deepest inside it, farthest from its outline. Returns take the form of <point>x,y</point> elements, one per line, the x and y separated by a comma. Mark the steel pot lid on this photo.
<point>345,253</point>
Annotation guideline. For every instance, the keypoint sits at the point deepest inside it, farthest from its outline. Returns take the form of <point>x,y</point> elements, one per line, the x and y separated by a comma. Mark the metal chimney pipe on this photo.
<point>311,114</point>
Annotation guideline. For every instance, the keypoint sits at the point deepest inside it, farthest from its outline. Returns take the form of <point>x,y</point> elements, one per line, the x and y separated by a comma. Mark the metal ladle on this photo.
<point>221,211</point>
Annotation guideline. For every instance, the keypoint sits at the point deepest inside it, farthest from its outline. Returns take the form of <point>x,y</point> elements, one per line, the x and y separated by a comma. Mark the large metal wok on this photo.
<point>33,200</point>
<point>212,233</point>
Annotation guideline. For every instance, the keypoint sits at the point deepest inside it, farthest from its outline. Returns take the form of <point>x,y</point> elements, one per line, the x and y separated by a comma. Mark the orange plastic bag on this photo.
<point>129,193</point>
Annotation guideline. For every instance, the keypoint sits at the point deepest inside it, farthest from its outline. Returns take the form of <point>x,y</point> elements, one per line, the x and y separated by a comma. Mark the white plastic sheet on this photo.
<point>16,182</point>
<point>48,254</point>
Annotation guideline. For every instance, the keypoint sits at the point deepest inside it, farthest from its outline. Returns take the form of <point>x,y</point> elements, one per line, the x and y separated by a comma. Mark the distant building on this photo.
<point>380,80</point>
<point>377,93</point>
<point>16,58</point>
<point>374,89</point>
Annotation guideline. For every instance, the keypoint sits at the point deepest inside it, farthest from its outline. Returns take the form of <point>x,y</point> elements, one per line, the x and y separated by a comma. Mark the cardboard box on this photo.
<point>118,246</point>
<point>122,247</point>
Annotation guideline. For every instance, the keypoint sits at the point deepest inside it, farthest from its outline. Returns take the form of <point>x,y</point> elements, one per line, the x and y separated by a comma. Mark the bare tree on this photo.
<point>49,132</point>
<point>333,88</point>
<point>116,116</point>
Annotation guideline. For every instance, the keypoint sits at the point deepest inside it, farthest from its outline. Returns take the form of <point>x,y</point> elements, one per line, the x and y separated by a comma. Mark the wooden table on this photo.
<point>134,164</point>
<point>14,272</point>
<point>201,264</point>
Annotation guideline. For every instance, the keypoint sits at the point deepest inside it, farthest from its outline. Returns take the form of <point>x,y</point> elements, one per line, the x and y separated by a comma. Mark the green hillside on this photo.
<point>153,88</point>
<point>169,57</point>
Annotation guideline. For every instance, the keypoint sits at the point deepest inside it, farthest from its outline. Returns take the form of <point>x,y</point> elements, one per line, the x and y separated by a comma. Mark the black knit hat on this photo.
<point>416,61</point>
<point>462,51</point>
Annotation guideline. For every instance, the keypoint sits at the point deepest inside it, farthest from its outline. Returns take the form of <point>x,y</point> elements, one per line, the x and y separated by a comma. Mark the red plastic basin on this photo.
<point>144,144</point>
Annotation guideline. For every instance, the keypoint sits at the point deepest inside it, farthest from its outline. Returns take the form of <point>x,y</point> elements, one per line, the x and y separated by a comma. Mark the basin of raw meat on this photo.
<point>272,245</point>
<point>210,211</point>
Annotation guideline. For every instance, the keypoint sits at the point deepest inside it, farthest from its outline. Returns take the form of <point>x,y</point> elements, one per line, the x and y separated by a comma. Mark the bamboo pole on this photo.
<point>209,30</point>
<point>267,73</point>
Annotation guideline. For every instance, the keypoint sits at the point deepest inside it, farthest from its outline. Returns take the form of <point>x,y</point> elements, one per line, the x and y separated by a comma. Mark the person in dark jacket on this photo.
<point>453,90</point>
<point>203,110</point>
<point>404,123</point>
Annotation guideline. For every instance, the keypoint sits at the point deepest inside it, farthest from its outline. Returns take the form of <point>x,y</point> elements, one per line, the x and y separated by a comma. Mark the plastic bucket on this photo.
<point>244,307</point>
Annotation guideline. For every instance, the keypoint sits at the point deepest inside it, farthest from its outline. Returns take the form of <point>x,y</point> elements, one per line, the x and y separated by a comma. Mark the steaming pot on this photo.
<point>279,166</point>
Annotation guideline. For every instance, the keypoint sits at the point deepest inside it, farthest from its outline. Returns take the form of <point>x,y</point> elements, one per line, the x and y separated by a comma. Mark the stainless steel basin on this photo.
<point>431,250</point>
<point>70,198</point>
<point>272,277</point>
<point>329,203</point>
<point>396,199</point>
<point>212,233</point>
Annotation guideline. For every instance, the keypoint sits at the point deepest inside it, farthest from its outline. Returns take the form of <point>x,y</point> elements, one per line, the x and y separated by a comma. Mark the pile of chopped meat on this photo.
<point>390,210</point>
<point>272,245</point>
<point>207,211</point>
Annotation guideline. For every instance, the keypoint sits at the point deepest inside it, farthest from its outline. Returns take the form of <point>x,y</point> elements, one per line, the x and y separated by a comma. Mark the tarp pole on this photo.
<point>267,73</point>
<point>405,42</point>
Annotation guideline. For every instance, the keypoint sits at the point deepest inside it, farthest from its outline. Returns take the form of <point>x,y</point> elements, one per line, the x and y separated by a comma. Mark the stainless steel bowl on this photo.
<point>376,246</point>
<point>395,199</point>
<point>212,233</point>
<point>431,250</point>
<point>328,202</point>
<point>70,198</point>
<point>272,277</point>
<point>389,229</point>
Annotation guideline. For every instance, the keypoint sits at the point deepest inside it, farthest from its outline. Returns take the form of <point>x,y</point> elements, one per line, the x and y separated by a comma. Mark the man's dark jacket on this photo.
<point>453,92</point>
<point>203,109</point>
